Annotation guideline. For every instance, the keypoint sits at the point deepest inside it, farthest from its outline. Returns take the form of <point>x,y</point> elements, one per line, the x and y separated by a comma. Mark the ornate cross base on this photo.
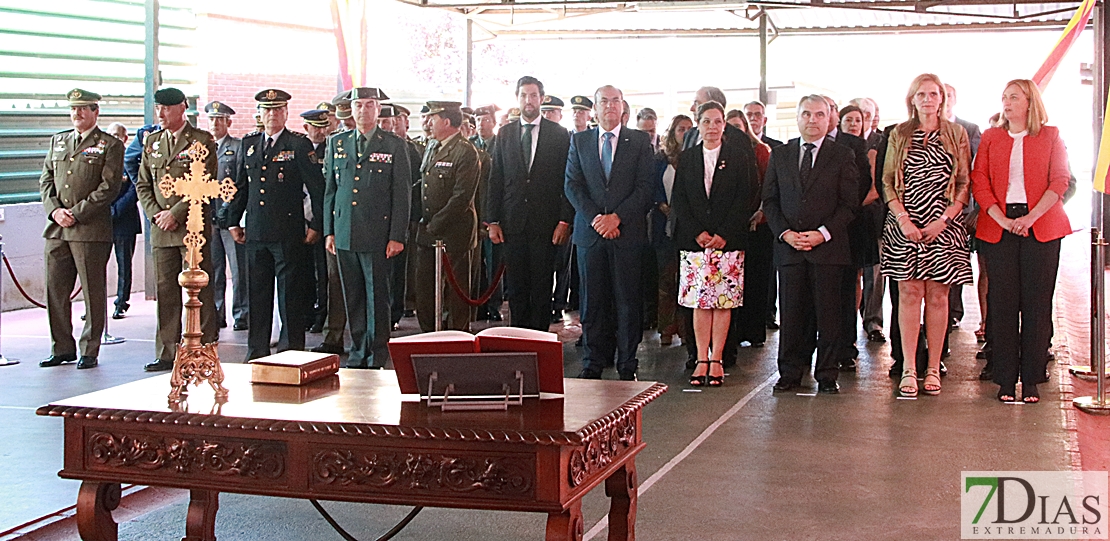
<point>195,362</point>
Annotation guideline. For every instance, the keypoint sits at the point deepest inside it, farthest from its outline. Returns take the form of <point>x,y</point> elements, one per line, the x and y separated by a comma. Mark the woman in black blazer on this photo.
<point>712,205</point>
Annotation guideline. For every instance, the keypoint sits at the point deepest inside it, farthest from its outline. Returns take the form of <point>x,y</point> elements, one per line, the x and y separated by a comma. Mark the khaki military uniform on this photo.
<point>448,186</point>
<point>163,156</point>
<point>85,178</point>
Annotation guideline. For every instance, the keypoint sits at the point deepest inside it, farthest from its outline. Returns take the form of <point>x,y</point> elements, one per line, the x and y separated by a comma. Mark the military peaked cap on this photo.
<point>367,93</point>
<point>551,103</point>
<point>80,98</point>
<point>581,102</point>
<point>218,109</point>
<point>316,117</point>
<point>272,98</point>
<point>436,107</point>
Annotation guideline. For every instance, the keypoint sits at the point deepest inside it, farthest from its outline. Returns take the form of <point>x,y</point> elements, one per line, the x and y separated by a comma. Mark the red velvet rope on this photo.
<point>484,297</point>
<point>24,293</point>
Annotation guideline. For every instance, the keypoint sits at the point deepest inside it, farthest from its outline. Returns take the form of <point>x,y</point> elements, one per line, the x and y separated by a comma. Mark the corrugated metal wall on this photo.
<point>48,48</point>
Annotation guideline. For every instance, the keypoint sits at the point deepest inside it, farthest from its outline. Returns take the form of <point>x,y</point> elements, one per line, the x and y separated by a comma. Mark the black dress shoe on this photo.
<point>158,366</point>
<point>57,360</point>
<point>328,348</point>
<point>828,387</point>
<point>222,324</point>
<point>409,313</point>
<point>943,369</point>
<point>588,374</point>
<point>119,312</point>
<point>987,374</point>
<point>876,336</point>
<point>240,326</point>
<point>848,365</point>
<point>783,386</point>
<point>316,328</point>
<point>772,325</point>
<point>495,316</point>
<point>357,366</point>
<point>691,364</point>
<point>627,377</point>
<point>86,362</point>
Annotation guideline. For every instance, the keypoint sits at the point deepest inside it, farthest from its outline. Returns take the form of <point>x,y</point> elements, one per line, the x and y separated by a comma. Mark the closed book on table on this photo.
<point>546,346</point>
<point>402,349</point>
<point>293,367</point>
<point>296,394</point>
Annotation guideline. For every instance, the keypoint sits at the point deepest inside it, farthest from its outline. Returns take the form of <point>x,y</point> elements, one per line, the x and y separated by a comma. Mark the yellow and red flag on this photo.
<point>1103,165</point>
<point>1071,33</point>
<point>349,25</point>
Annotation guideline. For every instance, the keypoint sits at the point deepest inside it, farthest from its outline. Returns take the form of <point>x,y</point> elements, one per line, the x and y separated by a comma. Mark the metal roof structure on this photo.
<point>601,18</point>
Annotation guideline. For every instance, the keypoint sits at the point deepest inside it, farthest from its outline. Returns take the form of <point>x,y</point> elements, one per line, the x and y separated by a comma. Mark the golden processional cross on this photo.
<point>195,362</point>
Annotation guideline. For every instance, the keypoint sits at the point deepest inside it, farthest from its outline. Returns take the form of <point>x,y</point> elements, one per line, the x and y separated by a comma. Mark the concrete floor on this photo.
<point>750,465</point>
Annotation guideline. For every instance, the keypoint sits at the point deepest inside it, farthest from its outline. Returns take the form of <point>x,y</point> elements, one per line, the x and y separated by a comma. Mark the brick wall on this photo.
<point>238,90</point>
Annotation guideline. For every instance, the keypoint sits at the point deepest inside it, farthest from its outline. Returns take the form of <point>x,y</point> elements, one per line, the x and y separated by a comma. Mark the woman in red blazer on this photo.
<point>1019,179</point>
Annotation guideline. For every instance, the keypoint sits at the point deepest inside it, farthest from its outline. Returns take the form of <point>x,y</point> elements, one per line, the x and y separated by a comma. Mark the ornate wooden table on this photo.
<point>355,438</point>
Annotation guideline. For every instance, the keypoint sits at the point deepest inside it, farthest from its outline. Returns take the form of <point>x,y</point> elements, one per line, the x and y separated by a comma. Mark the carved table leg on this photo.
<point>95,503</point>
<point>621,487</point>
<point>565,526</point>
<point>200,524</point>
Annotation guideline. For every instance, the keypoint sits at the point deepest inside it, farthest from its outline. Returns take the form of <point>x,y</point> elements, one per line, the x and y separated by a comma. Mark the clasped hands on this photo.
<point>924,235</point>
<point>607,225</point>
<point>710,242</point>
<point>803,241</point>
<point>63,217</point>
<point>1020,226</point>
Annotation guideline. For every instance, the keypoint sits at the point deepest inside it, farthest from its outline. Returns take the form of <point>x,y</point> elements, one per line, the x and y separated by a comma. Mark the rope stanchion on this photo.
<point>465,297</point>
<point>4,361</point>
<point>24,292</point>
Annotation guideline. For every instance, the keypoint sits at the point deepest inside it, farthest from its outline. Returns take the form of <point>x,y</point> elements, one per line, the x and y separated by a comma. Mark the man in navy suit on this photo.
<point>609,183</point>
<point>526,207</point>
<point>810,195</point>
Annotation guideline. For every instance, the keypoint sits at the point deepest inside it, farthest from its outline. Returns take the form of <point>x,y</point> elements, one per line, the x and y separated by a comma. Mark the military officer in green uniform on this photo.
<point>81,176</point>
<point>450,180</point>
<point>278,166</point>
<point>166,152</point>
<point>366,214</point>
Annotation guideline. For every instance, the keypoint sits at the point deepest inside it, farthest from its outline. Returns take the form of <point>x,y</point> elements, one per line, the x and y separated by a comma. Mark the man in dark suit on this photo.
<point>757,119</point>
<point>526,207</point>
<point>226,253</point>
<point>858,240</point>
<point>810,195</point>
<point>126,224</point>
<point>278,165</point>
<point>166,153</point>
<point>609,176</point>
<point>366,218</point>
<point>80,177</point>
<point>450,180</point>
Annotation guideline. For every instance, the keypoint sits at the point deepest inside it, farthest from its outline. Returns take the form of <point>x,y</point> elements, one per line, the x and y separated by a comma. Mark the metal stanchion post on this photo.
<point>108,339</point>
<point>1097,404</point>
<point>4,361</point>
<point>439,284</point>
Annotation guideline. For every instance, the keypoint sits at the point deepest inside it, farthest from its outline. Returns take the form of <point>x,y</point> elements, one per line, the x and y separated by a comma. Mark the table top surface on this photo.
<point>364,403</point>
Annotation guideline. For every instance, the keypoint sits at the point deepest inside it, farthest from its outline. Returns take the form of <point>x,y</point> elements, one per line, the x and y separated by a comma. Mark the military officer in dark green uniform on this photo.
<point>450,180</point>
<point>278,166</point>
<point>166,152</point>
<point>366,214</point>
<point>81,176</point>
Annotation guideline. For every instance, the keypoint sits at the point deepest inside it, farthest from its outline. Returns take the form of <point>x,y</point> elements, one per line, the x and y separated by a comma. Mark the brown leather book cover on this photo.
<point>293,367</point>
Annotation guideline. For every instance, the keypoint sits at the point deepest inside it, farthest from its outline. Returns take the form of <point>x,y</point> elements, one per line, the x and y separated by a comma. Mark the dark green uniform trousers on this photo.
<point>365,277</point>
<point>65,261</point>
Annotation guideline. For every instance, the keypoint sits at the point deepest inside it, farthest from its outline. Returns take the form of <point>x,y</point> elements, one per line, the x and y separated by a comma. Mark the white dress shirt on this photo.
<point>535,135</point>
<point>710,157</point>
<point>1015,192</point>
<point>601,139</point>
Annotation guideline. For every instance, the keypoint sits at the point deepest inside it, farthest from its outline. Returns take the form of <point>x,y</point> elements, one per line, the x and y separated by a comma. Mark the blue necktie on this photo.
<point>607,154</point>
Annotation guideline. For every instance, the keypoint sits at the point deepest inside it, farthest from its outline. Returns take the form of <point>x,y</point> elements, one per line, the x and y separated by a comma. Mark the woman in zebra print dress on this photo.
<point>925,181</point>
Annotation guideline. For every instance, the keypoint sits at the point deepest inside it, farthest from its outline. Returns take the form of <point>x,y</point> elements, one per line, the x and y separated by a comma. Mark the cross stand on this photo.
<point>195,362</point>
<point>4,361</point>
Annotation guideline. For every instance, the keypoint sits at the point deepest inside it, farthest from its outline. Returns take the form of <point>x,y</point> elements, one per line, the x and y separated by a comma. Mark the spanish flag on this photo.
<point>1071,33</point>
<point>1103,165</point>
<point>349,25</point>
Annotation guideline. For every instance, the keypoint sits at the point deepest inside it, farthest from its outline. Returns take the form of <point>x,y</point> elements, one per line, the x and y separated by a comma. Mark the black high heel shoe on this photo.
<point>1007,393</point>
<point>699,381</point>
<point>1030,394</point>
<point>716,381</point>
